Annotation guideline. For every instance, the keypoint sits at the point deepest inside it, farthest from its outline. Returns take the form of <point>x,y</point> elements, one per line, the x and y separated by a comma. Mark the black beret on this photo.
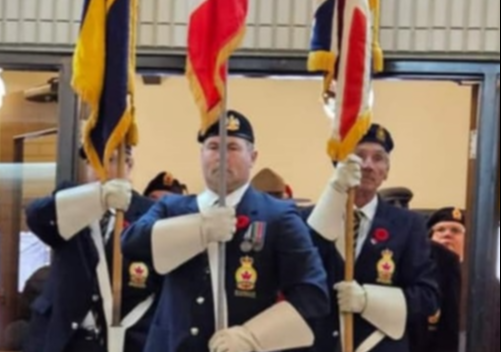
<point>164,181</point>
<point>449,214</point>
<point>237,125</point>
<point>380,135</point>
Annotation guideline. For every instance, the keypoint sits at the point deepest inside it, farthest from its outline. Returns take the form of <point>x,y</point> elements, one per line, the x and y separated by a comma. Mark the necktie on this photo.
<point>357,221</point>
<point>104,223</point>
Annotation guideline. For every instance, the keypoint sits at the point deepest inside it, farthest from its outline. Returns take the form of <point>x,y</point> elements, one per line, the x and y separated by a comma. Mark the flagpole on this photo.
<point>117,254</point>
<point>223,24</point>
<point>117,276</point>
<point>223,151</point>
<point>349,267</point>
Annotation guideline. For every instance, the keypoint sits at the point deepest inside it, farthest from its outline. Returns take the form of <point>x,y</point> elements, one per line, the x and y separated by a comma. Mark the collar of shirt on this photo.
<point>208,198</point>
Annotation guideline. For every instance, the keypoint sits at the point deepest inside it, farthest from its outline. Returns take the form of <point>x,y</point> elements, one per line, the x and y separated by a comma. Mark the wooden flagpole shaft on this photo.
<point>349,268</point>
<point>117,253</point>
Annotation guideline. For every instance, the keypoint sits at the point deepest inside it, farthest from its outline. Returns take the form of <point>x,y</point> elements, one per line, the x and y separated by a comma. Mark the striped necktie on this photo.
<point>358,216</point>
<point>104,223</point>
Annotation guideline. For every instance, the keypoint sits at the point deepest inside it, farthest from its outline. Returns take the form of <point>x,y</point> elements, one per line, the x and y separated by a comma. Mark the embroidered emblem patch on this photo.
<point>386,268</point>
<point>246,277</point>
<point>138,273</point>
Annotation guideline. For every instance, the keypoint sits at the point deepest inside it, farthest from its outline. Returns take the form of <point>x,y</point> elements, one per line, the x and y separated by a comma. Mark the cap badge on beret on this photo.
<point>456,214</point>
<point>168,179</point>
<point>381,135</point>
<point>232,124</point>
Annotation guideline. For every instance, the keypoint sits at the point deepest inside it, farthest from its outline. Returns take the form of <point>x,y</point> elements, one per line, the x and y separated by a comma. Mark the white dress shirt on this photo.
<point>209,198</point>
<point>33,255</point>
<point>205,200</point>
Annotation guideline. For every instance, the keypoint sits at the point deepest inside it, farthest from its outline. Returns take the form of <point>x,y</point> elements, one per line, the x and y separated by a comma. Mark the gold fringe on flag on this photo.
<point>211,116</point>
<point>324,61</point>
<point>89,56</point>
<point>377,51</point>
<point>89,62</point>
<point>340,150</point>
<point>126,131</point>
<point>133,134</point>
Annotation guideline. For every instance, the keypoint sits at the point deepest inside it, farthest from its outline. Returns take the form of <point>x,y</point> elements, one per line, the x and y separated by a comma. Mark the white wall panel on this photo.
<point>446,27</point>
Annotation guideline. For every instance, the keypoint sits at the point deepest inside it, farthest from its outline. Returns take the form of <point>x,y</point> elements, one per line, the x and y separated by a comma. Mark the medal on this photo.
<point>246,246</point>
<point>258,234</point>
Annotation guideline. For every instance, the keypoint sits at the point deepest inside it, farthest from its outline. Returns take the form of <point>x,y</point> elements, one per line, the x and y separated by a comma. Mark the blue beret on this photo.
<point>237,125</point>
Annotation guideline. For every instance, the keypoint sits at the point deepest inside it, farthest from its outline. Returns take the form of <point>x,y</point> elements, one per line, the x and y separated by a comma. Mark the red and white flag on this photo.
<point>353,82</point>
<point>216,30</point>
<point>342,48</point>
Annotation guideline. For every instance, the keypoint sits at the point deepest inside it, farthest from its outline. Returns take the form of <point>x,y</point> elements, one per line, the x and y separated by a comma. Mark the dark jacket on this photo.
<point>72,287</point>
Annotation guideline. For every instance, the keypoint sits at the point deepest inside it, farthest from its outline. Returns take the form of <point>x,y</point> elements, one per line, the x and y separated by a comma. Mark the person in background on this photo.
<point>16,333</point>
<point>271,182</point>
<point>268,181</point>
<point>397,196</point>
<point>164,184</point>
<point>447,227</point>
<point>439,332</point>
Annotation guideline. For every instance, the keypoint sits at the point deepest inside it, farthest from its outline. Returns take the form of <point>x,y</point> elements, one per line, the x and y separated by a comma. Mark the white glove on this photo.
<point>218,224</point>
<point>348,174</point>
<point>236,339</point>
<point>351,297</point>
<point>116,194</point>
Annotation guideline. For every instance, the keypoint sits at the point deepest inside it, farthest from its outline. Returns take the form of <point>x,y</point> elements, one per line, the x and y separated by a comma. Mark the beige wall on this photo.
<point>429,122</point>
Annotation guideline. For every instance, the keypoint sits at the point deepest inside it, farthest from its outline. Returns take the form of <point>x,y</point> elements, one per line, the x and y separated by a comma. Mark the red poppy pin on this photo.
<point>381,235</point>
<point>125,224</point>
<point>242,222</point>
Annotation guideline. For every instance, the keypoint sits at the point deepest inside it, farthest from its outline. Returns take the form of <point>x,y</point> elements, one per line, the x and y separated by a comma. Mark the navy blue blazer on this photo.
<point>404,234</point>
<point>440,332</point>
<point>72,287</point>
<point>286,263</point>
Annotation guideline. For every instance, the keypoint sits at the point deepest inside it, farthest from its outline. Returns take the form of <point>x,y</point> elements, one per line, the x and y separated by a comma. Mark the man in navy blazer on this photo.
<point>394,273</point>
<point>269,254</point>
<point>72,314</point>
